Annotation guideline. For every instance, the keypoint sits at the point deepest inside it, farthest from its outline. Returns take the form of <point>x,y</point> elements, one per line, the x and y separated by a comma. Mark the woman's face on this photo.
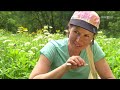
<point>79,38</point>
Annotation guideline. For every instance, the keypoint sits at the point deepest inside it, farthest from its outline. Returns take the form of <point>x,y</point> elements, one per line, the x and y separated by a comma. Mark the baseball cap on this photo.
<point>88,20</point>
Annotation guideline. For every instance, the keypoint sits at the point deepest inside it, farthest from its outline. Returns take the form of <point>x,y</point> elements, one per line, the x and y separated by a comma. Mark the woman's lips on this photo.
<point>77,45</point>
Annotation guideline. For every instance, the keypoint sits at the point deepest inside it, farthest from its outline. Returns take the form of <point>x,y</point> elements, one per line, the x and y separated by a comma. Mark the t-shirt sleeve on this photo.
<point>97,52</point>
<point>49,51</point>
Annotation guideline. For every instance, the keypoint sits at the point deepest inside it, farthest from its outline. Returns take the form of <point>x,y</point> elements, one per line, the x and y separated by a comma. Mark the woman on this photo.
<point>67,58</point>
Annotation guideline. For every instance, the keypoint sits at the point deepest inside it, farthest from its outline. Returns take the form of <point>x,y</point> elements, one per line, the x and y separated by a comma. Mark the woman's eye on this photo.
<point>76,32</point>
<point>86,35</point>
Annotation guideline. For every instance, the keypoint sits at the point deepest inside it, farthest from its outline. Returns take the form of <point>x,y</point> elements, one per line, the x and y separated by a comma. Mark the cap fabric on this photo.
<point>88,20</point>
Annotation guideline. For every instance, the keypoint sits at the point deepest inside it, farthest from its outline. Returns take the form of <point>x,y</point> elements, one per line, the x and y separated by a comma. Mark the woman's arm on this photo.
<point>41,70</point>
<point>104,70</point>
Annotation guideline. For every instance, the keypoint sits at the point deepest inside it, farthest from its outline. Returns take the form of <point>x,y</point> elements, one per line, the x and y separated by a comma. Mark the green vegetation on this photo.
<point>112,50</point>
<point>35,20</point>
<point>19,52</point>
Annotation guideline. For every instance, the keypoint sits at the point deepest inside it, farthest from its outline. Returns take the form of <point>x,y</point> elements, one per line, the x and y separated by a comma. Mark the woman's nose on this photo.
<point>78,38</point>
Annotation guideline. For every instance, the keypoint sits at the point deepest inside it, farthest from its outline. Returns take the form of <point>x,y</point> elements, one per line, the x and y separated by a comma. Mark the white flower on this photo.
<point>27,43</point>
<point>41,45</point>
<point>22,51</point>
<point>34,48</point>
<point>49,39</point>
<point>37,38</point>
<point>11,44</point>
<point>6,41</point>
<point>31,52</point>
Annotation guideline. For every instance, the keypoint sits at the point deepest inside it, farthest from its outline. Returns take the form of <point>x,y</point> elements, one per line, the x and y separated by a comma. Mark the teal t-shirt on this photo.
<point>57,53</point>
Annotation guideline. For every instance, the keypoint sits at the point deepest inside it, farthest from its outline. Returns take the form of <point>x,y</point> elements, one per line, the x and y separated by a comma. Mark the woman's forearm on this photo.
<point>55,74</point>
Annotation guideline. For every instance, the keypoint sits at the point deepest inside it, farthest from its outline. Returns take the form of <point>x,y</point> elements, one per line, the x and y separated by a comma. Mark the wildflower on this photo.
<point>34,48</point>
<point>100,32</point>
<point>6,41</point>
<point>49,39</point>
<point>22,51</point>
<point>47,33</point>
<point>11,44</point>
<point>27,43</point>
<point>41,45</point>
<point>36,39</point>
<point>31,52</point>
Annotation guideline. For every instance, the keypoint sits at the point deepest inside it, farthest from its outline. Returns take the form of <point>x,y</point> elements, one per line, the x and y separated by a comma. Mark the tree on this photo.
<point>110,23</point>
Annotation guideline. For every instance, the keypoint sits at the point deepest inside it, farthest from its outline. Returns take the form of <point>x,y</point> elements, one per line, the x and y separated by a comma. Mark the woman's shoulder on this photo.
<point>96,46</point>
<point>59,42</point>
<point>95,43</point>
<point>97,51</point>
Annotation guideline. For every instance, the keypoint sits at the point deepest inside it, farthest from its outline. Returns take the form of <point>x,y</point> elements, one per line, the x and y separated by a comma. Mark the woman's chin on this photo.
<point>78,46</point>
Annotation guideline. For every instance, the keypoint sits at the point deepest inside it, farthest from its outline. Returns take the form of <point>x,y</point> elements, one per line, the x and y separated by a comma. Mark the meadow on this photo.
<point>20,52</point>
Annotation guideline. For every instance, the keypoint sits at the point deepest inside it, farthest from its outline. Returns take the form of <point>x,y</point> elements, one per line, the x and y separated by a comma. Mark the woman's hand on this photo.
<point>75,62</point>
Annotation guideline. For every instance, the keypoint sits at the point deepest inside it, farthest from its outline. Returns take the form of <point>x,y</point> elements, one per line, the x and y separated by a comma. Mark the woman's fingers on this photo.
<point>73,61</point>
<point>81,61</point>
<point>76,61</point>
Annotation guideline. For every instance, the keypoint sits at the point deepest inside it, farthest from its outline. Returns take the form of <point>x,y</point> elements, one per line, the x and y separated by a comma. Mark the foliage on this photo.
<point>110,23</point>
<point>22,29</point>
<point>36,20</point>
<point>111,48</point>
<point>20,52</point>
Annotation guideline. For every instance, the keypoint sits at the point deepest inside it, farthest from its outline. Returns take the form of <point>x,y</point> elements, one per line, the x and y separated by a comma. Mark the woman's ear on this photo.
<point>68,30</point>
<point>92,41</point>
<point>68,33</point>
